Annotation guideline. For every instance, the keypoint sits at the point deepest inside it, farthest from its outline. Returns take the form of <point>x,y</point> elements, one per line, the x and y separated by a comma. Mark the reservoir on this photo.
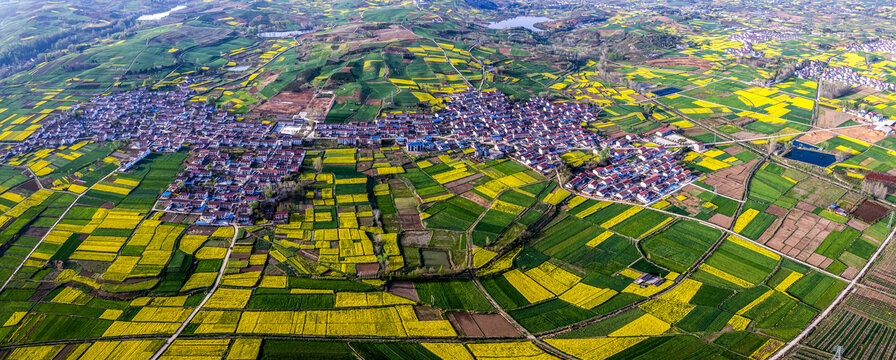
<point>161,15</point>
<point>527,22</point>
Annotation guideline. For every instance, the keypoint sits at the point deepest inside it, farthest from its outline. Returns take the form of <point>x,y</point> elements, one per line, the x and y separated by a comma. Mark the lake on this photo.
<point>161,15</point>
<point>527,22</point>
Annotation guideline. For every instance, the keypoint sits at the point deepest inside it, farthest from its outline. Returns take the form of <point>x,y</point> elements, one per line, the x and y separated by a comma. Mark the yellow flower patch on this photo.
<point>449,351</point>
<point>553,278</point>
<point>530,289</point>
<point>621,217</point>
<point>752,246</point>
<point>586,296</point>
<point>599,239</point>
<point>788,281</point>
<point>646,325</point>
<point>744,219</point>
<point>725,276</point>
<point>482,256</point>
<point>368,299</point>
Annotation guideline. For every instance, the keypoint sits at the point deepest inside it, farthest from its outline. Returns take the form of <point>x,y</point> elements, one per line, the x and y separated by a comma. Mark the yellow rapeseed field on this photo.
<point>646,325</point>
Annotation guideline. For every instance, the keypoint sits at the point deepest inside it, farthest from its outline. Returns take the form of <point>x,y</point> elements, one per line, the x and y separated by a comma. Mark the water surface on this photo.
<point>527,22</point>
<point>160,15</point>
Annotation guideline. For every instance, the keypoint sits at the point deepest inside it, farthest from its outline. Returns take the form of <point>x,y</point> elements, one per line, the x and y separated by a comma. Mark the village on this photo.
<point>537,132</point>
<point>216,184</point>
<point>748,38</point>
<point>815,69</point>
<point>880,45</point>
<point>221,185</point>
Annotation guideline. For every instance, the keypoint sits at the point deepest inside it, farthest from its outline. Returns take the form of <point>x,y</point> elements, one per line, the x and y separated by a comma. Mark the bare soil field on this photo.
<point>394,32</point>
<point>404,289</point>
<point>817,137</point>
<point>287,103</point>
<point>482,325</point>
<point>730,181</point>
<point>800,233</point>
<point>721,220</point>
<point>459,186</point>
<point>863,133</point>
<point>870,211</point>
<point>367,269</point>
<point>415,238</point>
<point>410,222</point>
<point>469,195</point>
<point>831,118</point>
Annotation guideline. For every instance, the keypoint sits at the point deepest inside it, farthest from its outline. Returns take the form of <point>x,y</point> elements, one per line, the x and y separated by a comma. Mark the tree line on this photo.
<point>20,55</point>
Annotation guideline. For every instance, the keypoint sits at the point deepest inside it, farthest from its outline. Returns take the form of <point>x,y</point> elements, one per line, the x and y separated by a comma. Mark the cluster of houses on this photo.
<point>815,69</point>
<point>760,36</point>
<point>216,184</point>
<point>877,121</point>
<point>536,132</point>
<point>152,120</point>
<point>645,174</point>
<point>221,186</point>
<point>748,38</point>
<point>745,51</point>
<point>880,45</point>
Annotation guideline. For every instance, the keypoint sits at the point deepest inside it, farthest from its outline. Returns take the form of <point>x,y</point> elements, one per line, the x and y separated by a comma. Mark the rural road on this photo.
<point>236,232</point>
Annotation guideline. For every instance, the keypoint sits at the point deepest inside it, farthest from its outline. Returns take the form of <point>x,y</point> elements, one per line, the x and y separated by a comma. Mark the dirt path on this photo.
<point>535,340</point>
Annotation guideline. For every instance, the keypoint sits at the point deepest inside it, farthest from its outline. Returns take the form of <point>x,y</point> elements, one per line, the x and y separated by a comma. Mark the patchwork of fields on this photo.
<point>394,235</point>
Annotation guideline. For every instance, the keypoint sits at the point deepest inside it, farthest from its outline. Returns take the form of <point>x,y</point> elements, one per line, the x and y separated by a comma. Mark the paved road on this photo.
<point>236,232</point>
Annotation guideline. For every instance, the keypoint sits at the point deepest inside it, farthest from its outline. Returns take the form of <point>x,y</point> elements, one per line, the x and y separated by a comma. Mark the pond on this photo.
<point>161,15</point>
<point>435,259</point>
<point>527,22</point>
<point>812,157</point>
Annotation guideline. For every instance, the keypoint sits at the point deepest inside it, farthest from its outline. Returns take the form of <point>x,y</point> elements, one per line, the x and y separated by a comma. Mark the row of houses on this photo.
<point>390,126</point>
